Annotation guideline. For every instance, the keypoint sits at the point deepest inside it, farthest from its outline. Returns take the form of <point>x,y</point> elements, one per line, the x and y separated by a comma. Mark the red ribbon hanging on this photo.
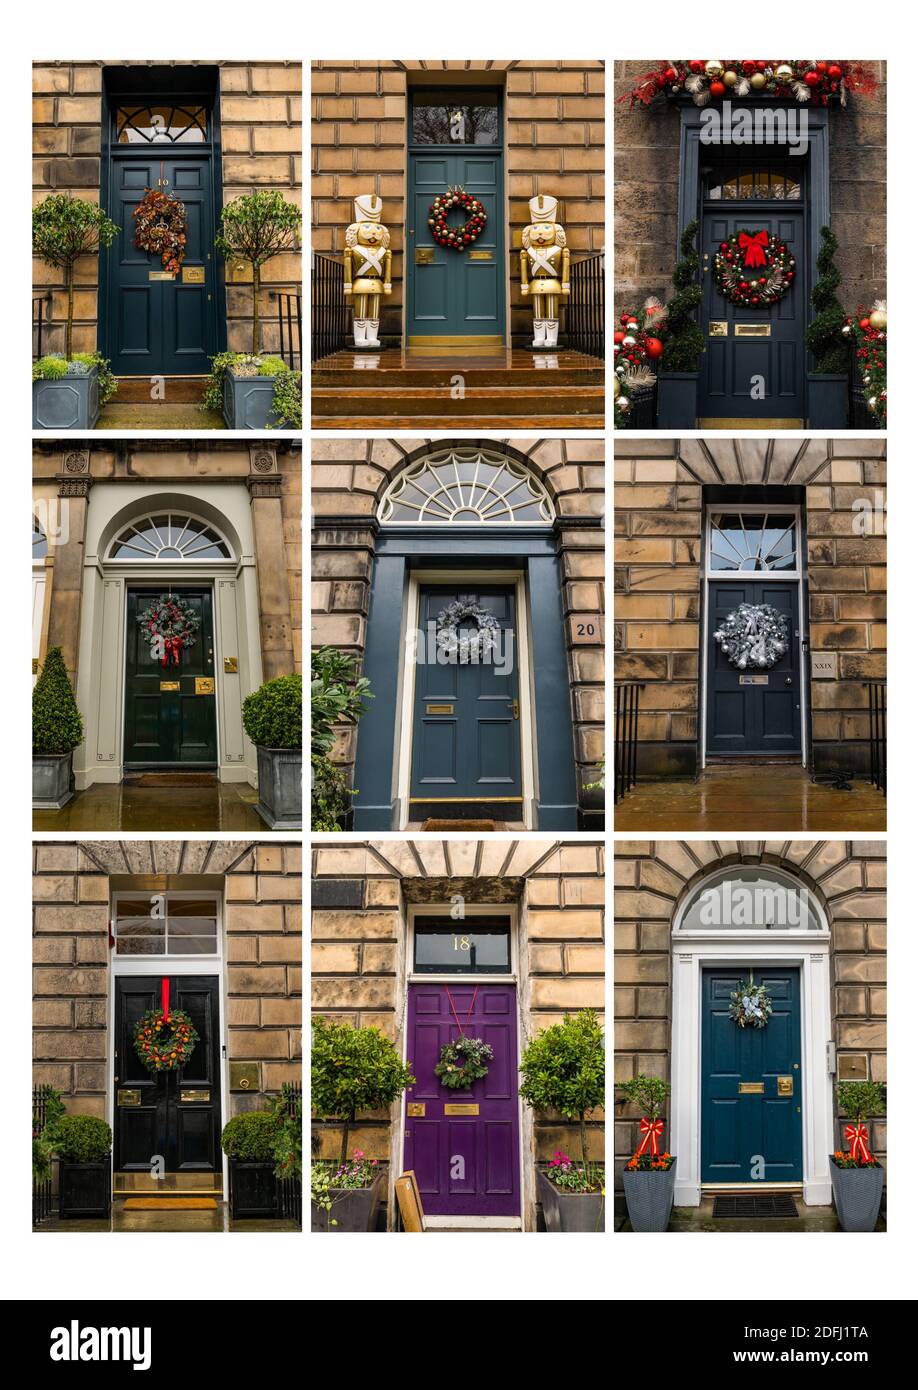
<point>652,1130</point>
<point>753,245</point>
<point>455,1015</point>
<point>172,647</point>
<point>856,1136</point>
<point>165,997</point>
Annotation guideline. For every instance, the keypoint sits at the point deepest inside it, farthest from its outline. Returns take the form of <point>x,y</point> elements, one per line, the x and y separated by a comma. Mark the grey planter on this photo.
<point>247,401</point>
<point>70,403</point>
<point>280,787</point>
<point>858,1193</point>
<point>650,1199</point>
<point>828,401</point>
<point>677,400</point>
<point>52,780</point>
<point>570,1211</point>
<point>351,1210</point>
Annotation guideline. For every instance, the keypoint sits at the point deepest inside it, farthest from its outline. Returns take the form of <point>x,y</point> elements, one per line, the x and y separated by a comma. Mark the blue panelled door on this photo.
<point>751,1085</point>
<point>753,713</point>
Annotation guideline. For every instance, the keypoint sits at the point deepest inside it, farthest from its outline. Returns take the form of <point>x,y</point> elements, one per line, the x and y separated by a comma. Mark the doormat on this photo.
<point>432,824</point>
<point>170,779</point>
<point>170,1204</point>
<point>777,1205</point>
<point>740,422</point>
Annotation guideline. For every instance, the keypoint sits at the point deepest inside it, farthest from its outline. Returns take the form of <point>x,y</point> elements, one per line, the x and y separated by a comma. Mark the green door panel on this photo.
<point>165,726</point>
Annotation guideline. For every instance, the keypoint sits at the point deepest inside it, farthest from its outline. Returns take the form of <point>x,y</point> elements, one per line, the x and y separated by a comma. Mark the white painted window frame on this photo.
<point>430,460</point>
<point>137,522</point>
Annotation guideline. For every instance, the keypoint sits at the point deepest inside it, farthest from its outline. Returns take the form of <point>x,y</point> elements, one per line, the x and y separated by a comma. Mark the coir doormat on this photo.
<point>775,1204</point>
<point>441,825</point>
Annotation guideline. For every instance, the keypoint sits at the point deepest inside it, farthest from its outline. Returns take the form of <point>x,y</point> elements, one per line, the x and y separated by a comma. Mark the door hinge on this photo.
<point>516,709</point>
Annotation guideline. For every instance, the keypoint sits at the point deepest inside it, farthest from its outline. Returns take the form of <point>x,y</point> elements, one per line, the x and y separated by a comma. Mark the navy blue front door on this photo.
<point>466,746</point>
<point>751,1085</point>
<point>753,713</point>
<point>157,324</point>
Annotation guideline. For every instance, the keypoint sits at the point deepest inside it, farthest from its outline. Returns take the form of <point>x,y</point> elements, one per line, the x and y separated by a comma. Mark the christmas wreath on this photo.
<point>753,268</point>
<point>164,1039</point>
<point>754,634</point>
<point>457,238</point>
<point>466,647</point>
<point>171,622</point>
<point>463,1062</point>
<point>160,228</point>
<point>750,1004</point>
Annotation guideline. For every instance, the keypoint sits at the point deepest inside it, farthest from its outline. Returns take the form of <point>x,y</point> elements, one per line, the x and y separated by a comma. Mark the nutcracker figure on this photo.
<point>545,269</point>
<point>367,267</point>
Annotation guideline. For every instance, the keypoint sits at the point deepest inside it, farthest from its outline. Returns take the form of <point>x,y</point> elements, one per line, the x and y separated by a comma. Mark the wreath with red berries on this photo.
<point>753,268</point>
<point>164,1041</point>
<point>161,228</point>
<point>456,238</point>
<point>171,621</point>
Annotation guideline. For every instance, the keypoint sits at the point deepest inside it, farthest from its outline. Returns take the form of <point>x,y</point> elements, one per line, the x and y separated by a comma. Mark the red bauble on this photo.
<point>669,75</point>
<point>618,336</point>
<point>754,299</point>
<point>696,65</point>
<point>811,79</point>
<point>835,71</point>
<point>748,67</point>
<point>821,67</point>
<point>761,65</point>
<point>654,348</point>
<point>865,323</point>
<point>717,89</point>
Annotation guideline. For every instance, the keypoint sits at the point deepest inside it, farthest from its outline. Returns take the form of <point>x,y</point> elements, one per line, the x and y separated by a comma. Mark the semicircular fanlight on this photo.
<point>175,536</point>
<point>470,486</point>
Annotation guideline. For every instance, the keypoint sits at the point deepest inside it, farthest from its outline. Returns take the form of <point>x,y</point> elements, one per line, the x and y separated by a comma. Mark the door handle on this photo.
<point>788,680</point>
<point>516,709</point>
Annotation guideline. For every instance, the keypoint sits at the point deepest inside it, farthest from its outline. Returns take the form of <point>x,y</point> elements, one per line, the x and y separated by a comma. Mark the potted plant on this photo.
<point>353,1070</point>
<point>649,1177</point>
<point>254,228</point>
<point>249,1142</point>
<point>857,1177</point>
<point>337,696</point>
<point>677,381</point>
<point>57,729</point>
<point>273,719</point>
<point>286,408</point>
<point>68,392</point>
<point>83,1144</point>
<point>827,341</point>
<point>563,1069</point>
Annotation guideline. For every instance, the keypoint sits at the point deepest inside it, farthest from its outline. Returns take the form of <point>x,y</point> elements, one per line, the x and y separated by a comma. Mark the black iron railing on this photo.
<point>41,310</point>
<point>627,709</point>
<point>290,1190</point>
<point>329,307</point>
<point>586,305</point>
<point>41,1187</point>
<point>876,704</point>
<point>290,329</point>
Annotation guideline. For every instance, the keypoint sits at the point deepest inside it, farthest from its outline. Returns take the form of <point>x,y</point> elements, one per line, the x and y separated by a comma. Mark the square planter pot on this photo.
<point>247,401</point>
<point>650,1199</point>
<point>677,400</point>
<point>70,403</point>
<point>52,780</point>
<point>858,1193</point>
<point>570,1211</point>
<point>828,401</point>
<point>85,1189</point>
<point>280,787</point>
<point>253,1189</point>
<point>351,1210</point>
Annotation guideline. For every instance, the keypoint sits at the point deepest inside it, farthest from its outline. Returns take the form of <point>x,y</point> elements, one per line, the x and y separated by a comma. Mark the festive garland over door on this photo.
<point>164,1039</point>
<point>753,268</point>
<point>173,622</point>
<point>467,646</point>
<point>456,238</point>
<point>750,1004</point>
<point>161,228</point>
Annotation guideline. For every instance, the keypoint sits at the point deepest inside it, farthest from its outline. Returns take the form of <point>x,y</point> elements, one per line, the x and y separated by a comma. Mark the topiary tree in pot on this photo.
<point>83,1144</point>
<point>828,342</point>
<point>684,341</point>
<point>563,1069</point>
<point>57,729</point>
<point>338,696</point>
<point>272,716</point>
<point>857,1177</point>
<point>649,1177</point>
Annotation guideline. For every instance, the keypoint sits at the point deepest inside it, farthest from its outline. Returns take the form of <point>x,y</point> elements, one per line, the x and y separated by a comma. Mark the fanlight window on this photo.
<point>743,184</point>
<point>466,487</point>
<point>39,542</point>
<point>472,119</point>
<point>162,925</point>
<point>163,124</point>
<point>169,536</point>
<point>753,542</point>
<point>747,898</point>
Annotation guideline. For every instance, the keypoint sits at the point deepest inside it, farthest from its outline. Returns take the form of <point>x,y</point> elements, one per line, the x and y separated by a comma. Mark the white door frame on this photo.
<point>408,667</point>
<point>798,575</point>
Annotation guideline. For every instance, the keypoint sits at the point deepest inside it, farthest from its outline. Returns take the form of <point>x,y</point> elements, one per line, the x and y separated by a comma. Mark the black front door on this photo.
<point>170,1116</point>
<point>751,711</point>
<point>170,714</point>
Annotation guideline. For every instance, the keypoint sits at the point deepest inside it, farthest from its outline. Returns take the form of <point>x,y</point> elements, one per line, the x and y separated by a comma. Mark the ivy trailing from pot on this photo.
<point>463,1062</point>
<point>161,228</point>
<point>168,626</point>
<point>466,647</point>
<point>164,1039</point>
<point>753,268</point>
<point>750,1004</point>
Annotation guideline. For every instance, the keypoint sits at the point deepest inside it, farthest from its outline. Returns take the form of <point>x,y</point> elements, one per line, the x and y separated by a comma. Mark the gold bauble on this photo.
<point>784,73</point>
<point>730,78</point>
<point>714,67</point>
<point>878,318</point>
<point>757,81</point>
<point>617,387</point>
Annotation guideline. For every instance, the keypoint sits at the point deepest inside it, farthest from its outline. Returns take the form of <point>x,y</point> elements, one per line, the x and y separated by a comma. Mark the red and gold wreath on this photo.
<point>456,238</point>
<point>169,624</point>
<point>164,1039</point>
<point>160,227</point>
<point>753,269</point>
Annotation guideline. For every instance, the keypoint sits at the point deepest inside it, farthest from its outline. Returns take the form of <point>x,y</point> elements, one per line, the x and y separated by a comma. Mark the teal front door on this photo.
<point>455,297</point>
<point>751,1083</point>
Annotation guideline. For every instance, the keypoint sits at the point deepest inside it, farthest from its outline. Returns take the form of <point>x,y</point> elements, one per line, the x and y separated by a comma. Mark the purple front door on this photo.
<point>465,1164</point>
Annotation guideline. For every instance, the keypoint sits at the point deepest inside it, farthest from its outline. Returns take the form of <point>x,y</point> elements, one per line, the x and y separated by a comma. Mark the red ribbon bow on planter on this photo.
<point>652,1130</point>
<point>752,245</point>
<point>856,1136</point>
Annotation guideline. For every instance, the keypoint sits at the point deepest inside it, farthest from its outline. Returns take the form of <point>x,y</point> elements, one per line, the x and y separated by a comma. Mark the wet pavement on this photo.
<point>701,1218</point>
<point>215,1221</point>
<point>217,806</point>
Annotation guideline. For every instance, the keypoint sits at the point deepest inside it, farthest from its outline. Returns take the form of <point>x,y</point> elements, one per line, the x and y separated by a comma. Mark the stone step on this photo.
<point>178,390</point>
<point>443,376</point>
<point>482,420</point>
<point>169,1185</point>
<point>528,398</point>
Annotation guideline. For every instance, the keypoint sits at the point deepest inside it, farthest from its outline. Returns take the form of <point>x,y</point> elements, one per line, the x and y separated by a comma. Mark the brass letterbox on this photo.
<point>752,330</point>
<point>161,275</point>
<point>752,1088</point>
<point>481,255</point>
<point>440,709</point>
<point>188,1097</point>
<point>460,1110</point>
<point>423,255</point>
<point>170,685</point>
<point>129,1097</point>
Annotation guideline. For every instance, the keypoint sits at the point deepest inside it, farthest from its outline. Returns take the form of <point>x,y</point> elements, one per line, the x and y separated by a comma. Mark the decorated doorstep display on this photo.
<point>637,349</point>
<point>545,269</point>
<point>161,227</point>
<point>457,238</point>
<point>168,626</point>
<point>164,1038</point>
<point>753,268</point>
<point>807,80</point>
<point>868,331</point>
<point>750,1004</point>
<point>367,268</point>
<point>469,647</point>
<point>754,634</point>
<point>466,1060</point>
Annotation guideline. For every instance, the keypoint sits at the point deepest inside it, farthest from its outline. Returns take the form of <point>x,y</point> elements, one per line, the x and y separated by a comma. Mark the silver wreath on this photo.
<point>466,647</point>
<point>754,634</point>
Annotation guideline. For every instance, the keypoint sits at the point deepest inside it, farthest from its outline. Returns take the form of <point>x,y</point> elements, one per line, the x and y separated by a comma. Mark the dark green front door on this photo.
<point>170,716</point>
<point>751,1083</point>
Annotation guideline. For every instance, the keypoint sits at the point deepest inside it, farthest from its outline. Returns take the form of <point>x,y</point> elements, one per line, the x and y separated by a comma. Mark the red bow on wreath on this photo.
<point>752,245</point>
<point>856,1136</point>
<point>652,1130</point>
<point>172,646</point>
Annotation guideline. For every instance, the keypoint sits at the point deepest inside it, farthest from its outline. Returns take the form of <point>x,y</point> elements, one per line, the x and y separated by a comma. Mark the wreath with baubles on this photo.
<point>753,268</point>
<point>457,238</point>
<point>753,634</point>
<point>463,1062</point>
<point>160,227</point>
<point>750,1004</point>
<point>171,621</point>
<point>466,647</point>
<point>164,1039</point>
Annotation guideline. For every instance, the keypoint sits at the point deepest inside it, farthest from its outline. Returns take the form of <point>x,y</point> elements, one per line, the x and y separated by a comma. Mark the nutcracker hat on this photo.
<point>368,208</point>
<point>543,208</point>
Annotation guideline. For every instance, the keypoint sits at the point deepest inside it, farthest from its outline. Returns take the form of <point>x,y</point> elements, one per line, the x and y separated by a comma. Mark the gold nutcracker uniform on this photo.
<point>545,269</point>
<point>367,268</point>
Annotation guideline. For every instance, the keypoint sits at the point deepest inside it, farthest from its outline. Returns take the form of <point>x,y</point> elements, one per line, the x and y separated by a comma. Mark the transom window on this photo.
<point>170,536</point>
<point>162,124</point>
<point>165,924</point>
<point>466,487</point>
<point>742,183</point>
<point>471,118</point>
<point>39,542</point>
<point>476,946</point>
<point>753,542</point>
<point>749,898</point>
